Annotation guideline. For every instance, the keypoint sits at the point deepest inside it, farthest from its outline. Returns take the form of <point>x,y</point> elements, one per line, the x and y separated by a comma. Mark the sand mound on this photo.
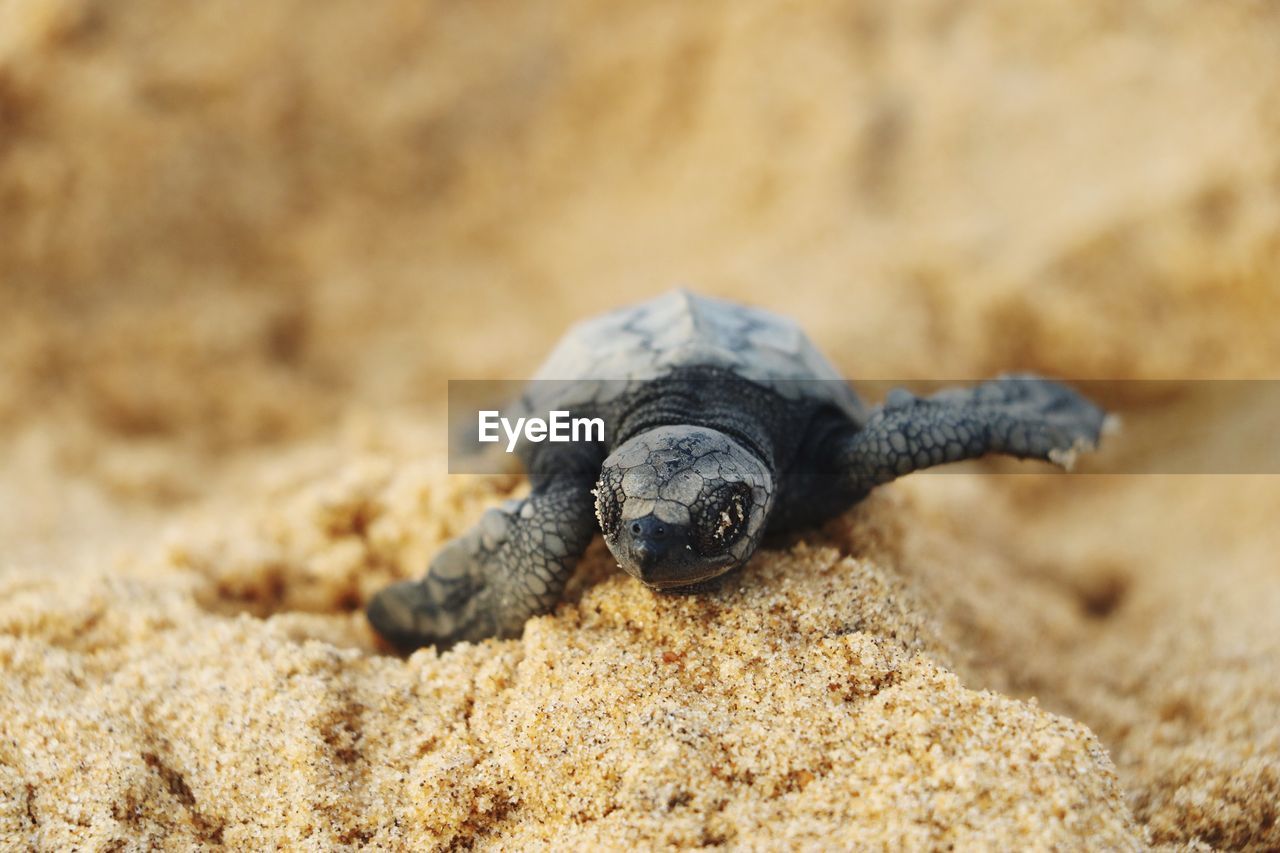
<point>807,702</point>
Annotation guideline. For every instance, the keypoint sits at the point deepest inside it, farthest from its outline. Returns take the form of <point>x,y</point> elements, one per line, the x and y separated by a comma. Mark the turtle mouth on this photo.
<point>662,554</point>
<point>690,580</point>
<point>675,584</point>
<point>704,573</point>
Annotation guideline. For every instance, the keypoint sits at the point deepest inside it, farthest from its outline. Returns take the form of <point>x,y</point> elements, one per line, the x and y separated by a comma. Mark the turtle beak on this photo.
<point>658,554</point>
<point>647,544</point>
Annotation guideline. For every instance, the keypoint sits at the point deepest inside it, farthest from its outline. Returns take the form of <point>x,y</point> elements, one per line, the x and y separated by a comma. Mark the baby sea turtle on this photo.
<point>723,422</point>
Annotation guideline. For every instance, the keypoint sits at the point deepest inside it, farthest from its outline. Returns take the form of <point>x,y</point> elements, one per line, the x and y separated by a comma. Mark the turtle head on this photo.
<point>681,504</point>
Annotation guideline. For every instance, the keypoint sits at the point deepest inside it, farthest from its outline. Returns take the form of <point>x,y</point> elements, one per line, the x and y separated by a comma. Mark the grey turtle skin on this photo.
<point>724,423</point>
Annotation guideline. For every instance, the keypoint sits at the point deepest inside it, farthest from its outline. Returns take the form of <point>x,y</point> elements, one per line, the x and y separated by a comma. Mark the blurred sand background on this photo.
<point>243,247</point>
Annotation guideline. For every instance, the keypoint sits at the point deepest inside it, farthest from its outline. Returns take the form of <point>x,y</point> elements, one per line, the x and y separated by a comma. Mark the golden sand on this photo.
<point>244,249</point>
<point>809,702</point>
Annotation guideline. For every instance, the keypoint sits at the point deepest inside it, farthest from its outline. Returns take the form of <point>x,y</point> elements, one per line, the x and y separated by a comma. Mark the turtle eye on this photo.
<point>722,519</point>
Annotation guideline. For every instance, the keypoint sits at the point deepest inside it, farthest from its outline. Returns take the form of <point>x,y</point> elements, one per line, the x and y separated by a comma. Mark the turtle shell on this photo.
<point>605,357</point>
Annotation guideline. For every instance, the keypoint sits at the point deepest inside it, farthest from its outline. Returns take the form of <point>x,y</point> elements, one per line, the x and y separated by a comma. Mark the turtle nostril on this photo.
<point>650,529</point>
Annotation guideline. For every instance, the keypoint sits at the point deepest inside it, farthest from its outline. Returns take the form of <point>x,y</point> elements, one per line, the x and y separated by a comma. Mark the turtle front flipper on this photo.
<point>512,565</point>
<point>1019,415</point>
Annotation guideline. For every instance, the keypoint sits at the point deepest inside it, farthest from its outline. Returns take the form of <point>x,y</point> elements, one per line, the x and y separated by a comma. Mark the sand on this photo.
<point>245,248</point>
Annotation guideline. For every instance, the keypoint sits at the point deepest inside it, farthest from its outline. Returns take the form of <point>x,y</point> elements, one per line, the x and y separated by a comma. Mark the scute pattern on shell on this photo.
<point>609,356</point>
